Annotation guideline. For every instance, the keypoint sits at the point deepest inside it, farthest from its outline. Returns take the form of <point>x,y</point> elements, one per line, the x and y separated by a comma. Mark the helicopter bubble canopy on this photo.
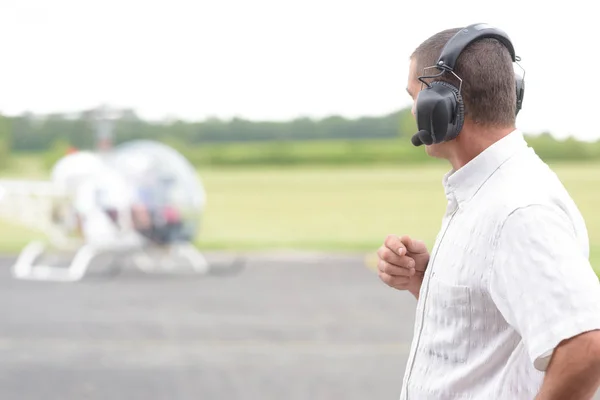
<point>168,197</point>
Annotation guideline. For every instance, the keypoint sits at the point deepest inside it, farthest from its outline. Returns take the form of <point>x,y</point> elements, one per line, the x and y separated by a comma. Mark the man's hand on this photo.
<point>402,263</point>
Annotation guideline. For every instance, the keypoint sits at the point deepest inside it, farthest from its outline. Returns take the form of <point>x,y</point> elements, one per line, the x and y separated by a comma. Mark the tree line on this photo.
<point>332,140</point>
<point>38,133</point>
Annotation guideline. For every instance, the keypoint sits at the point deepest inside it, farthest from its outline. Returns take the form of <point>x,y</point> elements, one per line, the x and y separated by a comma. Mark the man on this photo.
<point>508,306</point>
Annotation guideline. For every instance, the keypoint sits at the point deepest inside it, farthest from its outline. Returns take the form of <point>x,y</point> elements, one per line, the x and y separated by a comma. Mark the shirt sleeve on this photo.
<point>542,282</point>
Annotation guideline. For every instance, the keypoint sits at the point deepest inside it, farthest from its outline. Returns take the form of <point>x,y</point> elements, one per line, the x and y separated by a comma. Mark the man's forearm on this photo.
<point>415,292</point>
<point>574,370</point>
<point>416,288</point>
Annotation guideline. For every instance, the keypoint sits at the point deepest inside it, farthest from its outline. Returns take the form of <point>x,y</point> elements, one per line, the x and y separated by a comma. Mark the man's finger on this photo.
<point>412,245</point>
<point>398,282</point>
<point>394,270</point>
<point>387,254</point>
<point>392,258</point>
<point>394,243</point>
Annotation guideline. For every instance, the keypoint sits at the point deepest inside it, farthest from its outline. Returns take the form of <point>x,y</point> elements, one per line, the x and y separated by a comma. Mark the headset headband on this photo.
<point>466,36</point>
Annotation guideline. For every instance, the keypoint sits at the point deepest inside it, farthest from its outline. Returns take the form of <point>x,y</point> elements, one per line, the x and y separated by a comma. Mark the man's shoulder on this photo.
<point>525,193</point>
<point>535,218</point>
<point>528,182</point>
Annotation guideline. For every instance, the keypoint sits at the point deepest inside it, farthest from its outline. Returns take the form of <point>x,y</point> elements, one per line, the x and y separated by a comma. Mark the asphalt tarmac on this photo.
<point>288,326</point>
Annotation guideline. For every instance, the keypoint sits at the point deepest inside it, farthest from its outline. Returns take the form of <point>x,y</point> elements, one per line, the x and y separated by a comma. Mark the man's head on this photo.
<point>488,86</point>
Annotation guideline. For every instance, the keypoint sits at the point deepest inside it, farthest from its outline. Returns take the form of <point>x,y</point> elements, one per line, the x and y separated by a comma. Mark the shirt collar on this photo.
<point>462,184</point>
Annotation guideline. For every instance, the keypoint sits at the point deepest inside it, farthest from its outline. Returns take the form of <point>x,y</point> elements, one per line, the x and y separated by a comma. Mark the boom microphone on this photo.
<point>421,137</point>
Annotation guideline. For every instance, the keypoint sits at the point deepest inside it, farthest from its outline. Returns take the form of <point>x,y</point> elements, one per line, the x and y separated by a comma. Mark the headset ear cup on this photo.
<point>458,120</point>
<point>460,113</point>
<point>520,83</point>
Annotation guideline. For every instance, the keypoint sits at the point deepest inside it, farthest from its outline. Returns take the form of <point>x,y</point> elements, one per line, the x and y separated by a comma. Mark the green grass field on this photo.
<point>340,209</point>
<point>350,208</point>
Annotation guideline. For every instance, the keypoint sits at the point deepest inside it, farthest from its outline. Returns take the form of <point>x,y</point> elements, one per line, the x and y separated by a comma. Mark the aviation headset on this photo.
<point>440,108</point>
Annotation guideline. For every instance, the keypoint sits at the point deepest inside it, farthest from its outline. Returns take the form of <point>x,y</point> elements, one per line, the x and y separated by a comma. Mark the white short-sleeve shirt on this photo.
<point>509,278</point>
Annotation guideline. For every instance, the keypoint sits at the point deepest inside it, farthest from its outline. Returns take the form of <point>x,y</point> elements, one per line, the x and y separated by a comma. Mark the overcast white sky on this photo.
<point>279,59</point>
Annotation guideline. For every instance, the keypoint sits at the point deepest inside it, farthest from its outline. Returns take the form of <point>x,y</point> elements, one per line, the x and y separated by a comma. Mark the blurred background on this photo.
<point>295,118</point>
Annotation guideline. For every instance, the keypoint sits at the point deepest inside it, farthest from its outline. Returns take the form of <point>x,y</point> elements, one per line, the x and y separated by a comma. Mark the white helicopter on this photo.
<point>139,203</point>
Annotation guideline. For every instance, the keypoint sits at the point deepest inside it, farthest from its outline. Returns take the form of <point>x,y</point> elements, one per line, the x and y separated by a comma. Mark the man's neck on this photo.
<point>472,142</point>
